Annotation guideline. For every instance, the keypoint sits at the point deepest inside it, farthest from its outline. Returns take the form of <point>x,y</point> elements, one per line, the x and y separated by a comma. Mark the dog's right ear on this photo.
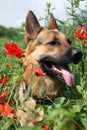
<point>32,26</point>
<point>52,23</point>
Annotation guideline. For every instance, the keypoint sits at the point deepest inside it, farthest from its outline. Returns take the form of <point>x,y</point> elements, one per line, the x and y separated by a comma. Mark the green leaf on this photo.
<point>32,74</point>
<point>43,91</point>
<point>30,92</point>
<point>60,100</point>
<point>64,124</point>
<point>31,128</point>
<point>80,89</point>
<point>76,108</point>
<point>84,120</point>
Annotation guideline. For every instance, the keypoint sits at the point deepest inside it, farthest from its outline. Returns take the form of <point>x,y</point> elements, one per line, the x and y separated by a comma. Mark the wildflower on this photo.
<point>10,102</point>
<point>78,35</point>
<point>45,127</point>
<point>6,110</point>
<point>85,35</point>
<point>79,32</point>
<point>13,49</point>
<point>81,28</point>
<point>9,66</point>
<point>15,117</point>
<point>39,72</point>
<point>35,123</point>
<point>1,108</point>
<point>3,96</point>
<point>78,127</point>
<point>4,80</point>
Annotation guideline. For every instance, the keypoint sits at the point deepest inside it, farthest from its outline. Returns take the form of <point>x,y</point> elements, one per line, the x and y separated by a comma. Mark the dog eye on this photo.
<point>53,43</point>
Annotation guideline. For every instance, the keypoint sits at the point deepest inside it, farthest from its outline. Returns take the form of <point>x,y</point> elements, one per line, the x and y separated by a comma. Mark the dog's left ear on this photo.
<point>52,23</point>
<point>32,26</point>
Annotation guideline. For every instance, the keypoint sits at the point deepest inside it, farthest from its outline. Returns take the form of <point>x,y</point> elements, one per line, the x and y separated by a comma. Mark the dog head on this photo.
<point>50,50</point>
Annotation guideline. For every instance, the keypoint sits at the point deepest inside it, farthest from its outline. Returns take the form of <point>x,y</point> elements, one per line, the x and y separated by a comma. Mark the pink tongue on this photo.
<point>68,77</point>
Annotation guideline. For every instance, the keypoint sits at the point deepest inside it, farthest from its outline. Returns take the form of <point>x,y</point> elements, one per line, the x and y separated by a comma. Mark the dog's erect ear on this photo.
<point>52,23</point>
<point>32,26</point>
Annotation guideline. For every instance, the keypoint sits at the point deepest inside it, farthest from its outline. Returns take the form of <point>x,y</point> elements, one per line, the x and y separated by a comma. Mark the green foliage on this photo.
<point>75,13</point>
<point>12,34</point>
<point>31,128</point>
<point>48,10</point>
<point>9,32</point>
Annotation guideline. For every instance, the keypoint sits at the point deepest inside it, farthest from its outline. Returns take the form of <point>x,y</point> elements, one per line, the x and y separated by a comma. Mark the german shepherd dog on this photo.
<point>50,50</point>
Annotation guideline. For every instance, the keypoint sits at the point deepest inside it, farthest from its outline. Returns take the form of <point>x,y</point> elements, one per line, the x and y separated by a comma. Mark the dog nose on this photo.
<point>76,55</point>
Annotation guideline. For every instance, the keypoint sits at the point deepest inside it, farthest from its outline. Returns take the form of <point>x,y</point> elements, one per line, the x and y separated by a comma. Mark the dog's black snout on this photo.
<point>76,55</point>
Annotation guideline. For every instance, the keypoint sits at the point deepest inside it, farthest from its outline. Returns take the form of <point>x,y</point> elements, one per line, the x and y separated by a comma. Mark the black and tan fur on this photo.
<point>47,44</point>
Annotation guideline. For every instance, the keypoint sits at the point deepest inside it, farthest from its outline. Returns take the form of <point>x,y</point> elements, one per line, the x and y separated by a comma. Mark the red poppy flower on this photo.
<point>4,80</point>
<point>10,102</point>
<point>1,108</point>
<point>1,80</point>
<point>45,127</point>
<point>85,35</point>
<point>15,117</point>
<point>6,110</point>
<point>80,27</point>
<point>78,35</point>
<point>9,66</point>
<point>35,123</point>
<point>13,49</point>
<point>78,126</point>
<point>3,96</point>
<point>39,72</point>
